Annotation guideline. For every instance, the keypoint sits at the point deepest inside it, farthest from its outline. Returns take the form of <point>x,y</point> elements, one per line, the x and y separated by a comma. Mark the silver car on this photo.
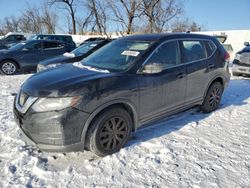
<point>241,62</point>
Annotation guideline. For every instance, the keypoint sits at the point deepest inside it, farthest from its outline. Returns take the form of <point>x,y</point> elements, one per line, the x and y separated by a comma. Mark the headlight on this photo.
<point>51,104</point>
<point>41,67</point>
<point>53,65</point>
<point>237,57</point>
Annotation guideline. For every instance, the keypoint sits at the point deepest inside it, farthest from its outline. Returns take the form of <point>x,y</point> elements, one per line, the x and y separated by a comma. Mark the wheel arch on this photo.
<point>215,79</point>
<point>126,105</point>
<point>11,59</point>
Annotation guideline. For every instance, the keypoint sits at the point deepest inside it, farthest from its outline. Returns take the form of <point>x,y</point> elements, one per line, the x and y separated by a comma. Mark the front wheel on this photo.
<point>8,67</point>
<point>213,98</point>
<point>109,132</point>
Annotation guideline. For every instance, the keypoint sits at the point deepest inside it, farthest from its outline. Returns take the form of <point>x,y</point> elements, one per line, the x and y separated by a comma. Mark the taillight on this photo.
<point>227,56</point>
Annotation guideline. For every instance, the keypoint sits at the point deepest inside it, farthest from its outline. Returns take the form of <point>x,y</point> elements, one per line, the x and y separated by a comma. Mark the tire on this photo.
<point>213,98</point>
<point>8,67</point>
<point>109,132</point>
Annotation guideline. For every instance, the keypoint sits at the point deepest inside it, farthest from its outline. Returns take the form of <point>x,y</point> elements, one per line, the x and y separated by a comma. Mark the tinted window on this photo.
<point>193,51</point>
<point>52,45</point>
<point>86,47</point>
<point>10,38</point>
<point>19,37</point>
<point>33,46</point>
<point>167,55</point>
<point>211,47</point>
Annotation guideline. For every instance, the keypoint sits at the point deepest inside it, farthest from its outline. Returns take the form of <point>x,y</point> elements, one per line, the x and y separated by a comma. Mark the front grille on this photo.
<point>24,101</point>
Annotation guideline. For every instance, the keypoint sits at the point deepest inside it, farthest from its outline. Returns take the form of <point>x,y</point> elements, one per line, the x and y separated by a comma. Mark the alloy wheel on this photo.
<point>8,68</point>
<point>113,133</point>
<point>215,97</point>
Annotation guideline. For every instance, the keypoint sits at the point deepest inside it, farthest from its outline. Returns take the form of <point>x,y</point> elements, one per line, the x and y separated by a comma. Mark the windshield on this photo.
<point>17,46</point>
<point>118,55</point>
<point>83,49</point>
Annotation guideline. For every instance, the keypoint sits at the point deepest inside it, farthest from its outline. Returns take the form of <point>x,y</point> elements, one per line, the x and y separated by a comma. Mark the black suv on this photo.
<point>67,39</point>
<point>132,81</point>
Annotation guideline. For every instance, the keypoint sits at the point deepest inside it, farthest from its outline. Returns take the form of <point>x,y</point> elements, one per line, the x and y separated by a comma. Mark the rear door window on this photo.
<point>52,45</point>
<point>193,50</point>
<point>167,55</point>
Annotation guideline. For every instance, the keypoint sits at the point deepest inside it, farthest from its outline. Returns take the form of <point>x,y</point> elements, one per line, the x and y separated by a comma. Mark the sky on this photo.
<point>211,14</point>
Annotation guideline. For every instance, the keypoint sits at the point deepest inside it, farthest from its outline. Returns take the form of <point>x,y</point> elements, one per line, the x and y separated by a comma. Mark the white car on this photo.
<point>241,62</point>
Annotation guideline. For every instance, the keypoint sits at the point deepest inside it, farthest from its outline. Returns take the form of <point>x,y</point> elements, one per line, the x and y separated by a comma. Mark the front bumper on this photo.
<point>57,131</point>
<point>241,69</point>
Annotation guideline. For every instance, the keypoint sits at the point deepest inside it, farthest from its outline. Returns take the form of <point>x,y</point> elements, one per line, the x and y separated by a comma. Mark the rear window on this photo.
<point>193,50</point>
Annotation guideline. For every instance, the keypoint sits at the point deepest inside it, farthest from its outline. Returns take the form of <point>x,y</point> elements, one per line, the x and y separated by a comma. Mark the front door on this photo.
<point>163,91</point>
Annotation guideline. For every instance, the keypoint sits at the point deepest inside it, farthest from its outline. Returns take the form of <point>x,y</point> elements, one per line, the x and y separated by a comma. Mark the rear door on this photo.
<point>52,49</point>
<point>199,68</point>
<point>164,91</point>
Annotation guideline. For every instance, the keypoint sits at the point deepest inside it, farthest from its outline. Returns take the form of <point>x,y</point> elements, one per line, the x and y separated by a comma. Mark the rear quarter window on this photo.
<point>211,47</point>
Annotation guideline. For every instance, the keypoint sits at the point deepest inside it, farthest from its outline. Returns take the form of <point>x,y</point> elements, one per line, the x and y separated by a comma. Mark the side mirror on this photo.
<point>246,43</point>
<point>152,68</point>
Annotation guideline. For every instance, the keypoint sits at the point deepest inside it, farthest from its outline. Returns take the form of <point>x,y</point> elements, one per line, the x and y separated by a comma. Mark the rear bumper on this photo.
<point>57,131</point>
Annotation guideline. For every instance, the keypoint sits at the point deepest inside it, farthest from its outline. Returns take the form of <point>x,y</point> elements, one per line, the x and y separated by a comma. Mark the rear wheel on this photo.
<point>109,132</point>
<point>213,98</point>
<point>8,67</point>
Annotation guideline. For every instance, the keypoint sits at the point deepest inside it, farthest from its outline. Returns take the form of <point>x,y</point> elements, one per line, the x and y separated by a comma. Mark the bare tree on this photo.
<point>125,11</point>
<point>11,24</point>
<point>70,6</point>
<point>49,20</point>
<point>98,9</point>
<point>159,13</point>
<point>185,25</point>
<point>84,23</point>
<point>31,20</point>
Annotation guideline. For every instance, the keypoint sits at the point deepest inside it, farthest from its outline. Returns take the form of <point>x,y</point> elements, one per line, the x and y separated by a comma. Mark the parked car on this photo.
<point>67,39</point>
<point>76,55</point>
<point>241,62</point>
<point>11,39</point>
<point>228,47</point>
<point>25,56</point>
<point>230,50</point>
<point>130,82</point>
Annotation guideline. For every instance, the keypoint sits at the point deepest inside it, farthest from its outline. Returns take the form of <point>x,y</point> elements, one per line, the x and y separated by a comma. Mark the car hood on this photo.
<point>67,80</point>
<point>244,50</point>
<point>58,59</point>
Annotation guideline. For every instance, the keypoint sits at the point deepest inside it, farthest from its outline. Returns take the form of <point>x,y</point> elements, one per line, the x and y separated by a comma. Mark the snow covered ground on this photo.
<point>190,149</point>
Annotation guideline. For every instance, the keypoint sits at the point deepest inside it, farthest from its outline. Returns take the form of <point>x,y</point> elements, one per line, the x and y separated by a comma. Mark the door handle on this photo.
<point>210,67</point>
<point>181,75</point>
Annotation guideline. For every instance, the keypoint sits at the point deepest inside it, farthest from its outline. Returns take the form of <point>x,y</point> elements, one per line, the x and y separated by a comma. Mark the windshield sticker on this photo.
<point>130,53</point>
